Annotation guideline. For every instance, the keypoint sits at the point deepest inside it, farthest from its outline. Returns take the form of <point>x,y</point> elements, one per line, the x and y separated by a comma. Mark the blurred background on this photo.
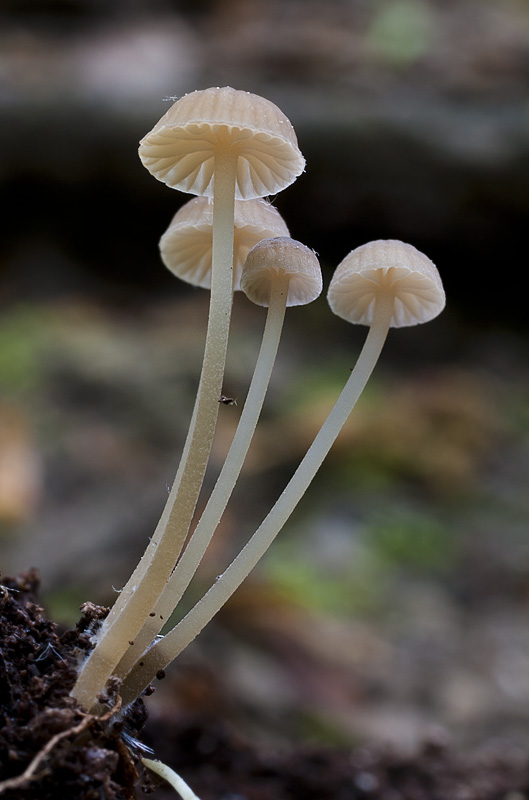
<point>396,601</point>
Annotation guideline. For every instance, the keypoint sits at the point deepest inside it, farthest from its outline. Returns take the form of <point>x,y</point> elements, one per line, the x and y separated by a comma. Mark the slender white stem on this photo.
<point>168,648</point>
<point>139,596</point>
<point>201,537</point>
<point>172,778</point>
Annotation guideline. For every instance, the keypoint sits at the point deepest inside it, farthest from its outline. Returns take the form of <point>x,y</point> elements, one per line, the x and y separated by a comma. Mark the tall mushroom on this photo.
<point>382,284</point>
<point>278,272</point>
<point>220,143</point>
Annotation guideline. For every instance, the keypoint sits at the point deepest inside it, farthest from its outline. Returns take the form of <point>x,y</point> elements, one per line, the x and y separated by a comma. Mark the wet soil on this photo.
<point>51,748</point>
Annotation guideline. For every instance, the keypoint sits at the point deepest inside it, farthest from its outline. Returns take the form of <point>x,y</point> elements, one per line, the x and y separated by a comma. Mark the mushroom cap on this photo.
<point>186,245</point>
<point>271,258</point>
<point>387,265</point>
<point>180,149</point>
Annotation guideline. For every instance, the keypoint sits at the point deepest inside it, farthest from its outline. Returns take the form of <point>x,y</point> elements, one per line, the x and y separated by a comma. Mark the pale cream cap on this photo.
<point>271,258</point>
<point>186,245</point>
<point>180,149</point>
<point>391,265</point>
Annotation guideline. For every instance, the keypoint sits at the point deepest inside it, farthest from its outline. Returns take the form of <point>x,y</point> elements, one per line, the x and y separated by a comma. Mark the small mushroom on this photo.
<point>382,284</point>
<point>390,268</point>
<point>186,245</point>
<point>281,265</point>
<point>278,272</point>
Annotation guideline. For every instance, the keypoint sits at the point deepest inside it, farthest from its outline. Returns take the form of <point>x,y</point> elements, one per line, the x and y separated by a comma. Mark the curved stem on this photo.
<point>172,778</point>
<point>168,648</point>
<point>141,592</point>
<point>202,535</point>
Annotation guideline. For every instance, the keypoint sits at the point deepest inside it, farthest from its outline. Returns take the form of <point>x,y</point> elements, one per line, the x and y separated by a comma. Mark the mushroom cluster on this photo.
<point>233,149</point>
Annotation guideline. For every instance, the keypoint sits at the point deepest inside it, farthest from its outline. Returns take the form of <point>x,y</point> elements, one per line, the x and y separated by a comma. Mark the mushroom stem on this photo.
<point>218,500</point>
<point>139,596</point>
<point>172,778</point>
<point>179,509</point>
<point>168,648</point>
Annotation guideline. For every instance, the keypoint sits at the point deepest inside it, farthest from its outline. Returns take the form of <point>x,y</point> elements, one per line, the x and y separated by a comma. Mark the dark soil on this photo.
<point>219,768</point>
<point>50,748</point>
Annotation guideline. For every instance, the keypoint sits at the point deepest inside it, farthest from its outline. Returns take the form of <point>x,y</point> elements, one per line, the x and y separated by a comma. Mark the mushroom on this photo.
<point>209,127</point>
<point>389,269</point>
<point>382,284</point>
<point>186,245</point>
<point>220,143</point>
<point>278,272</point>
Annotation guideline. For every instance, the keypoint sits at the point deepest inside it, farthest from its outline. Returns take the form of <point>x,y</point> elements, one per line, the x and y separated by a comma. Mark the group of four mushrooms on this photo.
<point>232,149</point>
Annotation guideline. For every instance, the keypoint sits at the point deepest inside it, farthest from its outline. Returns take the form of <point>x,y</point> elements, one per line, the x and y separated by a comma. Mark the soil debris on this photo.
<point>49,747</point>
